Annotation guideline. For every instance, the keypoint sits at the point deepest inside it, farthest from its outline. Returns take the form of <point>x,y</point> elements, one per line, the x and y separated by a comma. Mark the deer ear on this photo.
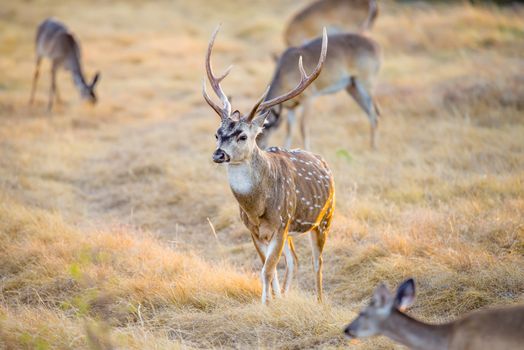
<point>381,296</point>
<point>95,79</point>
<point>260,119</point>
<point>405,295</point>
<point>235,115</point>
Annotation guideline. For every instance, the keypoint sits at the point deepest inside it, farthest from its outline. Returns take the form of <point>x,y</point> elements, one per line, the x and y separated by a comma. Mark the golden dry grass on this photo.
<point>104,234</point>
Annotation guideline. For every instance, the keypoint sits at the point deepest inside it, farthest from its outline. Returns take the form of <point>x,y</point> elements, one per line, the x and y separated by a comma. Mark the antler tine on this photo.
<point>209,100</point>
<point>303,73</point>
<point>255,108</point>
<point>305,80</point>
<point>215,82</point>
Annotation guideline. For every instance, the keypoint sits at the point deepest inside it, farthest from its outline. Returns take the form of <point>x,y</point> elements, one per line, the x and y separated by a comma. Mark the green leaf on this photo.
<point>342,153</point>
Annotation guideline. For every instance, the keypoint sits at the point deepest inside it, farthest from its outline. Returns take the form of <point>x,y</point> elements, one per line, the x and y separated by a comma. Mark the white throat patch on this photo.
<point>240,178</point>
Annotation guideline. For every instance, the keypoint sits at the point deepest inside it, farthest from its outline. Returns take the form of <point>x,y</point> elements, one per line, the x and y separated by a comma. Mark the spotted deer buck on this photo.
<point>337,15</point>
<point>498,328</point>
<point>352,63</point>
<point>56,42</point>
<point>281,193</point>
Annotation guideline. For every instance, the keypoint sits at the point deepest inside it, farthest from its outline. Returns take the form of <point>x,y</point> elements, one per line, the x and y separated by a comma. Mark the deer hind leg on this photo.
<point>291,264</point>
<point>35,79</point>
<point>364,99</point>
<point>318,238</point>
<point>290,126</point>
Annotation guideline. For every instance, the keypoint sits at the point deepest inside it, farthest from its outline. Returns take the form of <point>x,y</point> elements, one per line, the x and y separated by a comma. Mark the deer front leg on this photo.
<point>361,95</point>
<point>53,86</point>
<point>261,248</point>
<point>35,79</point>
<point>269,271</point>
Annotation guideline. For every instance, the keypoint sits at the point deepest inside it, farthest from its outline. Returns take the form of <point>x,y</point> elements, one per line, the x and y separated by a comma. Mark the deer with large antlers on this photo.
<point>341,16</point>
<point>352,64</point>
<point>280,192</point>
<point>490,329</point>
<point>55,41</point>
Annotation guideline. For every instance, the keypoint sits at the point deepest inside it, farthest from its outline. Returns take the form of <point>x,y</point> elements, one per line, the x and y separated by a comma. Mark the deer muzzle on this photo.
<point>349,332</point>
<point>219,156</point>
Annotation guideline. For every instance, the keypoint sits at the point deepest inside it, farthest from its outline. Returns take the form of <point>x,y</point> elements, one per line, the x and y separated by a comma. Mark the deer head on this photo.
<point>370,321</point>
<point>236,136</point>
<point>88,90</point>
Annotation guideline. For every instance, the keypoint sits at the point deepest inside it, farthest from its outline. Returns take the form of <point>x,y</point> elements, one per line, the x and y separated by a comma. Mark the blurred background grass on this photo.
<point>104,212</point>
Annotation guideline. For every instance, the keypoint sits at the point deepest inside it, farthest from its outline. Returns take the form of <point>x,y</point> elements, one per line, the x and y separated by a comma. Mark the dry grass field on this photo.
<point>104,232</point>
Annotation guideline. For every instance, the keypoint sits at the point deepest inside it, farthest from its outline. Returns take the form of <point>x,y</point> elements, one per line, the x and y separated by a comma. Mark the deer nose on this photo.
<point>219,156</point>
<point>348,332</point>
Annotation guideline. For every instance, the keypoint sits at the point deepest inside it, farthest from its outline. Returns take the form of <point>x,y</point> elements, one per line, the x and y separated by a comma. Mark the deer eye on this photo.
<point>216,136</point>
<point>242,137</point>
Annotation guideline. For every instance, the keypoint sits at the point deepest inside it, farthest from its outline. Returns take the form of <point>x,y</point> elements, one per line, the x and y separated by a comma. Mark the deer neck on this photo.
<point>248,176</point>
<point>76,72</point>
<point>247,180</point>
<point>416,334</point>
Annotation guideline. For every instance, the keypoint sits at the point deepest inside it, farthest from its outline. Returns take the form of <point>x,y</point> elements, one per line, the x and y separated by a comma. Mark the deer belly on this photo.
<point>312,193</point>
<point>330,87</point>
<point>304,223</point>
<point>308,214</point>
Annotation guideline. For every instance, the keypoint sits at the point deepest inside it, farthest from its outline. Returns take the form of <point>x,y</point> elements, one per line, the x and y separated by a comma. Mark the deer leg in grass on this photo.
<point>269,276</point>
<point>304,130</point>
<point>291,264</point>
<point>290,126</point>
<point>377,109</point>
<point>262,248</point>
<point>318,239</point>
<point>35,79</point>
<point>364,99</point>
<point>275,285</point>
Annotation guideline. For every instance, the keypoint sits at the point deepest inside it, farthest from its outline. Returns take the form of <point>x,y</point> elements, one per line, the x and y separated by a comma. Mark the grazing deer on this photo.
<point>53,40</point>
<point>352,63</point>
<point>338,15</point>
<point>500,328</point>
<point>279,192</point>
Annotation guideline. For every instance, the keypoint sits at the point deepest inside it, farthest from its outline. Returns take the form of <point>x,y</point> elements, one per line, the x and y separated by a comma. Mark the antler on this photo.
<point>224,111</point>
<point>305,81</point>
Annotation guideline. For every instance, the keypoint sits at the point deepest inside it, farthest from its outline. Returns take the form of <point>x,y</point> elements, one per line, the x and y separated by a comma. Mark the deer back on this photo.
<point>501,328</point>
<point>349,55</point>
<point>337,15</point>
<point>53,40</point>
